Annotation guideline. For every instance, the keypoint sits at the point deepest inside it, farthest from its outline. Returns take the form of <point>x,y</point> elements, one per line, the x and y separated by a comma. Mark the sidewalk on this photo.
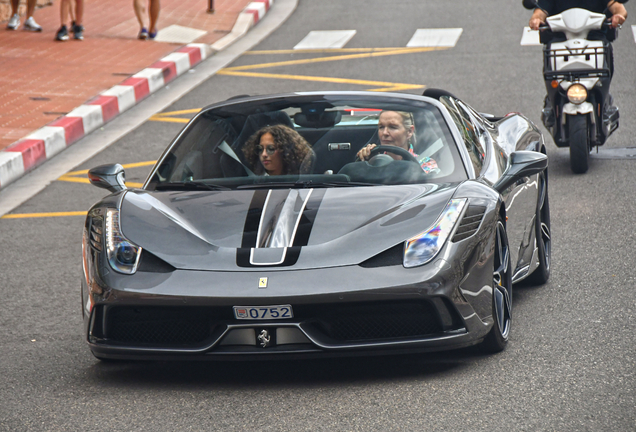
<point>42,80</point>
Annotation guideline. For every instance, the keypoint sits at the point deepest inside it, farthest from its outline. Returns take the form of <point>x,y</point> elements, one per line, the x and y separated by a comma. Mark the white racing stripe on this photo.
<point>328,39</point>
<point>443,37</point>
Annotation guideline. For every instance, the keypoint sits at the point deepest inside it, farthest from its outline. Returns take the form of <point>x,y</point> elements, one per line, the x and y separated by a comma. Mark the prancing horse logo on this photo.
<point>262,282</point>
<point>264,338</point>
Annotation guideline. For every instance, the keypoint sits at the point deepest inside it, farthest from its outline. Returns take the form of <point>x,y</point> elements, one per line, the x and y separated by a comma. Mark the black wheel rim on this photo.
<point>545,242</point>
<point>502,283</point>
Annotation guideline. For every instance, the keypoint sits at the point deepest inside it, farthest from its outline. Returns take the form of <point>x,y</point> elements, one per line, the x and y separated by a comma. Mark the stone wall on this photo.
<point>5,8</point>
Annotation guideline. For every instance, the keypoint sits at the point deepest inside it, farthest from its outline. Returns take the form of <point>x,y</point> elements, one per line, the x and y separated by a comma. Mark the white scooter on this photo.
<point>579,110</point>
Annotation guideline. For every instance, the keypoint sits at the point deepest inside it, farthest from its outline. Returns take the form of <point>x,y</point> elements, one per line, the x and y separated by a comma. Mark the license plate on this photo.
<point>263,312</point>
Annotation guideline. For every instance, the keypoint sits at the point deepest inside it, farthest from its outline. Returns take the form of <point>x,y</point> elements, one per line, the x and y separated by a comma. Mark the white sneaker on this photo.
<point>14,22</point>
<point>31,25</point>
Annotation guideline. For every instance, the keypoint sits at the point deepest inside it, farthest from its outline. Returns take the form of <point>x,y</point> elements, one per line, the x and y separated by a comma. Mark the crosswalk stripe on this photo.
<point>325,39</point>
<point>443,37</point>
<point>530,37</point>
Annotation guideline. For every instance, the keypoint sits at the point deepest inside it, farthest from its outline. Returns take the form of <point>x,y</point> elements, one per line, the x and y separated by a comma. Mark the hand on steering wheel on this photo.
<point>371,150</point>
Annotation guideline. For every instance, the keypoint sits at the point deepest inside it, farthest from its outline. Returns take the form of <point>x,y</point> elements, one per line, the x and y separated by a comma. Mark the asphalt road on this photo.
<point>570,365</point>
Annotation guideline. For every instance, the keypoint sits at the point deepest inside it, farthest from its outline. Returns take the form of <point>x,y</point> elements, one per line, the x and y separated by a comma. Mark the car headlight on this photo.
<point>577,94</point>
<point>422,248</point>
<point>123,255</point>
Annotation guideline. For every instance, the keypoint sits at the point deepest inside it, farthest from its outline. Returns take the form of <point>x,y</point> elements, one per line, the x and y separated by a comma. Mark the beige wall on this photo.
<point>5,8</point>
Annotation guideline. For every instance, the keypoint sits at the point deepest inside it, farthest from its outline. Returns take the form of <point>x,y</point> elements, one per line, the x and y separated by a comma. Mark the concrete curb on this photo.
<point>43,144</point>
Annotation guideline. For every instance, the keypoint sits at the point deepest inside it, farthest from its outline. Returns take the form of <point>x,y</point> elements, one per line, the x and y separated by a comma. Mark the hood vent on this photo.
<point>390,257</point>
<point>470,223</point>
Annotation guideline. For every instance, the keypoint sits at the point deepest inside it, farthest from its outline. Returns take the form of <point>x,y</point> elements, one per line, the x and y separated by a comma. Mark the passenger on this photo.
<point>276,150</point>
<point>396,128</point>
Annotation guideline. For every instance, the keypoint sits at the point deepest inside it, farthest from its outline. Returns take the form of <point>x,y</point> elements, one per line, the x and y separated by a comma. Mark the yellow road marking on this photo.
<point>126,166</point>
<point>42,215</point>
<point>87,181</point>
<point>173,113</point>
<point>334,58</point>
<point>390,85</point>
<point>167,116</point>
<point>168,119</point>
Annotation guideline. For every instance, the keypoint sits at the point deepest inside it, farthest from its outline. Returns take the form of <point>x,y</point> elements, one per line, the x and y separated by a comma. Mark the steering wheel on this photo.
<point>406,155</point>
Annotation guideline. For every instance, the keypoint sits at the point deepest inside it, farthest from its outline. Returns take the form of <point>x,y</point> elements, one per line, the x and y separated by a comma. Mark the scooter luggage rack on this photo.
<point>589,55</point>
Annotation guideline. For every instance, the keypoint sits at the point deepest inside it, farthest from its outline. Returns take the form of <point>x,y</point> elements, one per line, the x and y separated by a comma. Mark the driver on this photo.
<point>396,128</point>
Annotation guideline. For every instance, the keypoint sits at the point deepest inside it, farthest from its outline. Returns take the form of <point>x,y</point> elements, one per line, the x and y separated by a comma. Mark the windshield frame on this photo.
<point>244,106</point>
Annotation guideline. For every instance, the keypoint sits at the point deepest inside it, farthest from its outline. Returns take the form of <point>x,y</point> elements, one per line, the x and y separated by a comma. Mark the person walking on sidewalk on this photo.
<point>30,23</point>
<point>66,11</point>
<point>151,31</point>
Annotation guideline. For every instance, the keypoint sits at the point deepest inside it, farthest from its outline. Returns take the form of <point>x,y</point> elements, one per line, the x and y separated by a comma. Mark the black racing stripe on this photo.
<point>308,217</point>
<point>250,230</point>
<point>302,233</point>
<point>291,257</point>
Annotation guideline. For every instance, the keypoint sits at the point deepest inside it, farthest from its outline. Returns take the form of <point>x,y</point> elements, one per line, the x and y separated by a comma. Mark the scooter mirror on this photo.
<point>531,4</point>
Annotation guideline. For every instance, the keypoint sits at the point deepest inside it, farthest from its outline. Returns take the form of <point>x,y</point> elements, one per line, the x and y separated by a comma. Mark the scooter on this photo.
<point>579,111</point>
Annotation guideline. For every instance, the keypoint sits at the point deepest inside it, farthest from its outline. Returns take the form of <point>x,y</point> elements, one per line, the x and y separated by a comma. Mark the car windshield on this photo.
<point>311,142</point>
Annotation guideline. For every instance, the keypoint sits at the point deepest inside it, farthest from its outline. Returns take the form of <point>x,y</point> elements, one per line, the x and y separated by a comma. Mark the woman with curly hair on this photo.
<point>276,150</point>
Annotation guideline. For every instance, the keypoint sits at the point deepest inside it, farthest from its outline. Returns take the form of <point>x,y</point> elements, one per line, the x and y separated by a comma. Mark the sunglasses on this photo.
<point>270,149</point>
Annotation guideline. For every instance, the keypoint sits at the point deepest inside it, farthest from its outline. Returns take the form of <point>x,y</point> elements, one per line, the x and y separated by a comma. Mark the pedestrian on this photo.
<point>66,11</point>
<point>29,24</point>
<point>140,10</point>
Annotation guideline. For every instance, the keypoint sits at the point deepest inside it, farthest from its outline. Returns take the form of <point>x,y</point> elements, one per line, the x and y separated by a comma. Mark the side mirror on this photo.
<point>529,4</point>
<point>111,177</point>
<point>522,164</point>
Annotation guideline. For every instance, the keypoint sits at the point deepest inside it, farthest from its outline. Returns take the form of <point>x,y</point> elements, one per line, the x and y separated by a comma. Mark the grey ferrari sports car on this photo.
<point>319,224</point>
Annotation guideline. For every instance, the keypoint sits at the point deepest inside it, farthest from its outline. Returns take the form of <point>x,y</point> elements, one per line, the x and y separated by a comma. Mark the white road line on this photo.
<point>634,32</point>
<point>444,37</point>
<point>530,37</point>
<point>328,39</point>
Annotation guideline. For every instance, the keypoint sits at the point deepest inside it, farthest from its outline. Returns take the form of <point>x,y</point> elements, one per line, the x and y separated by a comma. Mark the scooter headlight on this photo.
<point>577,94</point>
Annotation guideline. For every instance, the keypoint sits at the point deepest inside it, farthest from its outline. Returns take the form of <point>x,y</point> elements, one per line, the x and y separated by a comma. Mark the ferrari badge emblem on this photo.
<point>262,282</point>
<point>264,338</point>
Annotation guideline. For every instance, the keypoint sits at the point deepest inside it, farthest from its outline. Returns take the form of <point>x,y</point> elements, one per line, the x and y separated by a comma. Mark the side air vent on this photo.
<point>470,222</point>
<point>96,237</point>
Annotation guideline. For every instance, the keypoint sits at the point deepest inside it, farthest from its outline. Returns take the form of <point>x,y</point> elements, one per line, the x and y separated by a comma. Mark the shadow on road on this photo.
<point>283,373</point>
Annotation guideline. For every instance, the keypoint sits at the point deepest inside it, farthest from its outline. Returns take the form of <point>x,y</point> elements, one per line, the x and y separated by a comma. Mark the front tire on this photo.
<point>497,338</point>
<point>579,143</point>
<point>542,235</point>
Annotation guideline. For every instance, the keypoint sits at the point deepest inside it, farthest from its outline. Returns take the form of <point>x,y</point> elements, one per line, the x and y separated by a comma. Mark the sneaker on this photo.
<point>143,33</point>
<point>78,32</point>
<point>31,25</point>
<point>152,35</point>
<point>14,22</point>
<point>62,34</point>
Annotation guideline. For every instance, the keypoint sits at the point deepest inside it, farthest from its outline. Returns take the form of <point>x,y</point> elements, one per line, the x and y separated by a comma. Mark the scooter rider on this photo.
<point>553,7</point>
<point>610,8</point>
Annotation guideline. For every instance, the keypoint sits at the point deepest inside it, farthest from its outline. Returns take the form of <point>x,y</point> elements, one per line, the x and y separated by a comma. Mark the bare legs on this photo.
<point>140,10</point>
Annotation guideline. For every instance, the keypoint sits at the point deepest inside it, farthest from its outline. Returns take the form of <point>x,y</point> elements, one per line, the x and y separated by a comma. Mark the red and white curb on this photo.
<point>41,145</point>
<point>252,14</point>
